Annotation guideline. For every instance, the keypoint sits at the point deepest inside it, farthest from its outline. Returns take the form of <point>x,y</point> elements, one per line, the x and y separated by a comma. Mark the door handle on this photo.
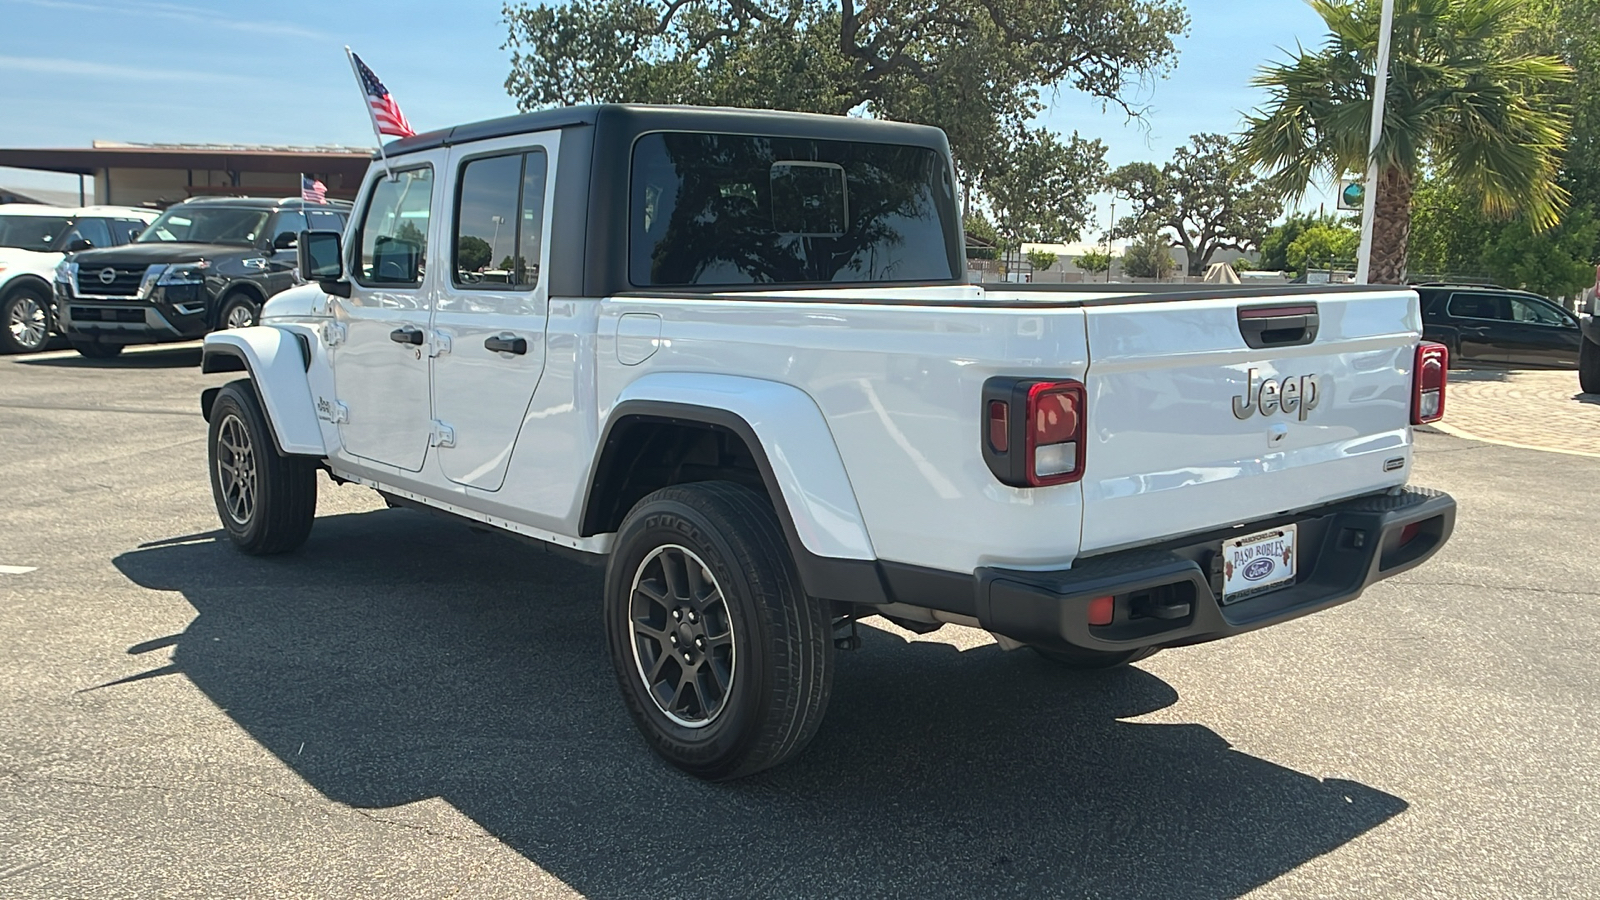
<point>406,335</point>
<point>506,343</point>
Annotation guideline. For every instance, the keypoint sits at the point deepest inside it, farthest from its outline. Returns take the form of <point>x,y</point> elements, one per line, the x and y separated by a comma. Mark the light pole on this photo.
<point>494,246</point>
<point>1380,90</point>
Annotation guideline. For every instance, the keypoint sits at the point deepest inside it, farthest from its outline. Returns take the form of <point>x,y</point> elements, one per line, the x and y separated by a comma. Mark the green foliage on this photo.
<point>1556,262</point>
<point>1207,197</point>
<point>1324,246</point>
<point>1040,259</point>
<point>1149,256</point>
<point>472,253</point>
<point>1040,192</point>
<point>976,68</point>
<point>1460,93</point>
<point>1275,246</point>
<point>978,226</point>
<point>1454,241</point>
<point>1094,262</point>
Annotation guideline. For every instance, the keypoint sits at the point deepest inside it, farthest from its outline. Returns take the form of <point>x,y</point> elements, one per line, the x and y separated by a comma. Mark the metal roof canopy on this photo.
<point>88,160</point>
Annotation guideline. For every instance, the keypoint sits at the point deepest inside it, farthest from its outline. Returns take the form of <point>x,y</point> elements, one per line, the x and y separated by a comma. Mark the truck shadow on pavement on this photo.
<point>396,658</point>
<point>187,357</point>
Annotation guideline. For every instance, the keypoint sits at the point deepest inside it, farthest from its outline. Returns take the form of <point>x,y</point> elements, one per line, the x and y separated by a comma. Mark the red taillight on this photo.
<point>1428,383</point>
<point>1033,430</point>
<point>1409,533</point>
<point>1055,433</point>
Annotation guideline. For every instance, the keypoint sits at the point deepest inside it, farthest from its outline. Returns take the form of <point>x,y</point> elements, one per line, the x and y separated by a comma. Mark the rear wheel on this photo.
<point>1589,367</point>
<point>266,501</point>
<point>24,321</point>
<point>92,349</point>
<point>1074,658</point>
<point>724,663</point>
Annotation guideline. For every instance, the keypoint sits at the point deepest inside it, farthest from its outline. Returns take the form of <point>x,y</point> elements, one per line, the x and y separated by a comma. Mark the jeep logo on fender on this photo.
<point>1290,396</point>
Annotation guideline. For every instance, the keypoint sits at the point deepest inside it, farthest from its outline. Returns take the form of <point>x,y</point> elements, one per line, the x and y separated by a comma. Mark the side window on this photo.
<point>92,230</point>
<point>486,220</point>
<point>123,231</point>
<point>291,223</point>
<point>499,222</point>
<point>1480,306</point>
<point>1535,313</point>
<point>530,228</point>
<point>394,230</point>
<point>322,220</point>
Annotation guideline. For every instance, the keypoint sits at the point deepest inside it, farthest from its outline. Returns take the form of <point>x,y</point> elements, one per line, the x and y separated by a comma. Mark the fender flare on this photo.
<point>795,453</point>
<point>276,360</point>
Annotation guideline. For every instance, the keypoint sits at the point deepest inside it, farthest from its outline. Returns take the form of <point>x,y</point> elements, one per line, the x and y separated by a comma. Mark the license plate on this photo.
<point>1258,563</point>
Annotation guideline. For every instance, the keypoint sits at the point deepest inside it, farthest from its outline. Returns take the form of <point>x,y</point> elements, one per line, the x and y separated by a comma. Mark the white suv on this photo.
<point>33,241</point>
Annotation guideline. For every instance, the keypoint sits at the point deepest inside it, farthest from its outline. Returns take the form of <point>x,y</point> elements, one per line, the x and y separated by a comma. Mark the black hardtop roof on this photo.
<point>640,118</point>
<point>1433,286</point>
<point>266,203</point>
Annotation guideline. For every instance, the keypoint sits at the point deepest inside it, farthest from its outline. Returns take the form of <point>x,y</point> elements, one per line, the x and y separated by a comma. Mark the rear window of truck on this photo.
<point>719,209</point>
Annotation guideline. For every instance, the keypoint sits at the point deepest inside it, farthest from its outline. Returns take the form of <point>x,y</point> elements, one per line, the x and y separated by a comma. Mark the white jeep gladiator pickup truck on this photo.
<point>735,355</point>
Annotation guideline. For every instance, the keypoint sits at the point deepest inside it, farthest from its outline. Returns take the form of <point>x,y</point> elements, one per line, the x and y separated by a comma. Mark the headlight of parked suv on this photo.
<point>66,271</point>
<point>193,273</point>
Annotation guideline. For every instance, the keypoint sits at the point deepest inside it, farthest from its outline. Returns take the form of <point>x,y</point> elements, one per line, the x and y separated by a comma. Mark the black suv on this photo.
<point>1482,324</point>
<point>203,265</point>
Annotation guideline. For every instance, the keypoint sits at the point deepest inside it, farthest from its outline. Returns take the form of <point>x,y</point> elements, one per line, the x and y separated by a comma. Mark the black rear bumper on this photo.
<point>1170,595</point>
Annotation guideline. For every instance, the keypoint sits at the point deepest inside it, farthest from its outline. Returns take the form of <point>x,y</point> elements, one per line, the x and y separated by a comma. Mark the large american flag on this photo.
<point>312,190</point>
<point>386,114</point>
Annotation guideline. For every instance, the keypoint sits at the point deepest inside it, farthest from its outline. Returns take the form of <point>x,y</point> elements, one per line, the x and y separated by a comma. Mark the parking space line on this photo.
<point>17,570</point>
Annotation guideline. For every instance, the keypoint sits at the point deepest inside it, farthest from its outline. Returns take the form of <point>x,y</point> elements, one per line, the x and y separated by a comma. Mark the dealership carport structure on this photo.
<point>163,174</point>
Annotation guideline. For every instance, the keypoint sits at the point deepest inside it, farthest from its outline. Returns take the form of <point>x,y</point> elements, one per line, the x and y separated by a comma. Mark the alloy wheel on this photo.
<point>241,316</point>
<point>236,469</point>
<point>683,646</point>
<point>27,322</point>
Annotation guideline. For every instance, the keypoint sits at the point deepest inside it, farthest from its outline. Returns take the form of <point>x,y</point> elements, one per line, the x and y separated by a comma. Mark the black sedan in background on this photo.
<point>1499,326</point>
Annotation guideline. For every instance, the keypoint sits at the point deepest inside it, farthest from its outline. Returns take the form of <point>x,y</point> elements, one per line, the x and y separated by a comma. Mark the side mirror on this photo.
<point>321,256</point>
<point>285,240</point>
<point>79,244</point>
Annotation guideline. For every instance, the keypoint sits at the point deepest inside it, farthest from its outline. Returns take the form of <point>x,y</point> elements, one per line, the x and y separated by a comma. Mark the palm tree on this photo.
<point>1461,100</point>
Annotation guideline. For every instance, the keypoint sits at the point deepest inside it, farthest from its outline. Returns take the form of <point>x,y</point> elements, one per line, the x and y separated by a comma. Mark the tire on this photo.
<point>266,501</point>
<point>760,652</point>
<point>1589,367</point>
<point>1090,660</point>
<point>24,321</point>
<point>92,349</point>
<point>238,311</point>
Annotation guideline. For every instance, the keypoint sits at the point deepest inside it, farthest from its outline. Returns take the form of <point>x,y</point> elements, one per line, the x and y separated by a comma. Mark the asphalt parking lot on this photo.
<point>407,708</point>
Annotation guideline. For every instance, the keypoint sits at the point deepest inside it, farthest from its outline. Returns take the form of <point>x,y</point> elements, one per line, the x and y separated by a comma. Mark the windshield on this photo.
<point>41,234</point>
<point>206,225</point>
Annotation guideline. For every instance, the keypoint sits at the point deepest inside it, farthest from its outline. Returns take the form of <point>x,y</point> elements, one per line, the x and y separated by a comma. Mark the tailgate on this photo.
<point>1181,439</point>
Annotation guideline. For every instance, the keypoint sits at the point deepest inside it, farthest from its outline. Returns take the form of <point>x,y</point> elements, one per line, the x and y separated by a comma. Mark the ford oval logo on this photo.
<point>1259,569</point>
<point>108,275</point>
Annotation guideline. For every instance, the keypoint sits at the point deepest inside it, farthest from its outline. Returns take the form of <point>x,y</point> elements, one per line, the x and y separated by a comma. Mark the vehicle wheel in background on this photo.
<point>93,349</point>
<point>1589,367</point>
<point>24,321</point>
<point>1074,658</point>
<point>238,311</point>
<point>266,501</point>
<point>723,661</point>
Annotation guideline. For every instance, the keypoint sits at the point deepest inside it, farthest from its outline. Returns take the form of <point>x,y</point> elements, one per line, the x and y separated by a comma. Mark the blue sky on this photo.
<point>74,71</point>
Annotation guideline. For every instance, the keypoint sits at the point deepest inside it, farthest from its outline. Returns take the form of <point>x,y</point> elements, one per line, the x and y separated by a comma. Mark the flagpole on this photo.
<point>367,102</point>
<point>1380,93</point>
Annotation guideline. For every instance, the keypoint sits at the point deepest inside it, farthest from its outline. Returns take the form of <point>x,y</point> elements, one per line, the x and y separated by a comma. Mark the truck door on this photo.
<point>492,304</point>
<point>1541,334</point>
<point>1481,320</point>
<point>380,361</point>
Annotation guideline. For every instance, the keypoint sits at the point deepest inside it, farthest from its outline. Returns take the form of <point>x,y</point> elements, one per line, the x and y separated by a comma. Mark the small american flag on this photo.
<point>312,190</point>
<point>386,114</point>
